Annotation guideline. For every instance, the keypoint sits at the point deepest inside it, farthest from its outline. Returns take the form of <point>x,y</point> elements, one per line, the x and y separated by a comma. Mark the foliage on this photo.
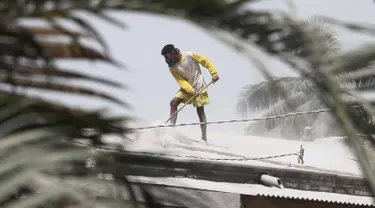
<point>323,71</point>
<point>300,96</point>
<point>38,154</point>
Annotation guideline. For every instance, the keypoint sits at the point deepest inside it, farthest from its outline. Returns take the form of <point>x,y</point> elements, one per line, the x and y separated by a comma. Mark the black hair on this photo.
<point>169,48</point>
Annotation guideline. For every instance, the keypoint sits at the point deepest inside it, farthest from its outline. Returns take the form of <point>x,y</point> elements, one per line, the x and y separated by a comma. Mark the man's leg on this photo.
<point>202,118</point>
<point>175,102</point>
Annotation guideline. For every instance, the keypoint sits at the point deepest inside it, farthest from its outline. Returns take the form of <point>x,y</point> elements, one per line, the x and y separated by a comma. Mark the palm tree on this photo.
<point>332,77</point>
<point>37,149</point>
<point>301,95</point>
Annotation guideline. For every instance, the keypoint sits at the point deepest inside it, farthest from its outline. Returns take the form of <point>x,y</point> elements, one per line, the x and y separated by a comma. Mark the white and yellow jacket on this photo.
<point>188,73</point>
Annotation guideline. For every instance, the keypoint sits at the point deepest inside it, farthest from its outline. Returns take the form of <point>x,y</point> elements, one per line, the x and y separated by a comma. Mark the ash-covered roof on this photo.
<point>257,190</point>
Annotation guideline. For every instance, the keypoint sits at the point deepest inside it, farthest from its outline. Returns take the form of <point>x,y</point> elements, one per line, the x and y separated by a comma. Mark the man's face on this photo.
<point>171,57</point>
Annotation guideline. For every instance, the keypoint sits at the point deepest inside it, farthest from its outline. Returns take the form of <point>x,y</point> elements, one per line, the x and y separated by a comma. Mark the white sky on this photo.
<point>151,84</point>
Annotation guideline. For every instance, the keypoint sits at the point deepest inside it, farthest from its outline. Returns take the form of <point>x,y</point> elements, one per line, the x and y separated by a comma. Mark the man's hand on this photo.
<point>196,94</point>
<point>215,78</point>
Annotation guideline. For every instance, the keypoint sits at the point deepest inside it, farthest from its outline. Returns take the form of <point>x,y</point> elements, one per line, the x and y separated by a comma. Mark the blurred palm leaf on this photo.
<point>35,145</point>
<point>352,26</point>
<point>33,153</point>
<point>22,54</point>
<point>351,121</point>
<point>274,31</point>
<point>53,32</point>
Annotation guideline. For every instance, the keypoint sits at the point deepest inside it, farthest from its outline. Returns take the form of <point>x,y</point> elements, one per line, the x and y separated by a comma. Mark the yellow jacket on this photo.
<point>188,74</point>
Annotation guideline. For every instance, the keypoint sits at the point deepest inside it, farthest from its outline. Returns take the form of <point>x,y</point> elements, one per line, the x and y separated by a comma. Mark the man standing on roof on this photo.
<point>185,68</point>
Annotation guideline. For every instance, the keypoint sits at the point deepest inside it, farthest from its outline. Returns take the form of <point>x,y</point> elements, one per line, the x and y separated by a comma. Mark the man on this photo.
<point>187,72</point>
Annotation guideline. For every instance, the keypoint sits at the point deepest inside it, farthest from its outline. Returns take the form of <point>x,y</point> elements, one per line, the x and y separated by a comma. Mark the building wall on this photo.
<point>270,202</point>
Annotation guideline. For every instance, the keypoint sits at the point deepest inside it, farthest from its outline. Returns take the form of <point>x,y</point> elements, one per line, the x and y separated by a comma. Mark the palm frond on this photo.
<point>34,72</point>
<point>275,32</point>
<point>331,94</point>
<point>325,125</point>
<point>20,44</point>
<point>353,60</point>
<point>44,31</point>
<point>323,35</point>
<point>359,86</point>
<point>33,155</point>
<point>283,106</point>
<point>352,26</point>
<point>294,126</point>
<point>261,96</point>
<point>37,136</point>
<point>355,77</point>
<point>25,48</point>
<point>265,29</point>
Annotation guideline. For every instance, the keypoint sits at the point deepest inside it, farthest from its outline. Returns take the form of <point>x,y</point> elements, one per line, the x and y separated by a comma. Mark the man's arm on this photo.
<point>182,82</point>
<point>206,63</point>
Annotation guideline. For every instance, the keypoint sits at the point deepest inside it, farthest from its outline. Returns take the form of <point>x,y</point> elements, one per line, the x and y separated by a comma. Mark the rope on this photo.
<point>239,120</point>
<point>205,158</point>
<point>233,120</point>
<point>298,154</point>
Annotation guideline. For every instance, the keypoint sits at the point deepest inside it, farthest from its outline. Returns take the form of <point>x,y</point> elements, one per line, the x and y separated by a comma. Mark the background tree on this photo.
<point>301,95</point>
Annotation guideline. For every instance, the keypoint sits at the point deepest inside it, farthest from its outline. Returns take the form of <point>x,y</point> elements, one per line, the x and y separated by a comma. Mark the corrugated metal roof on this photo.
<point>256,190</point>
<point>173,197</point>
<point>259,190</point>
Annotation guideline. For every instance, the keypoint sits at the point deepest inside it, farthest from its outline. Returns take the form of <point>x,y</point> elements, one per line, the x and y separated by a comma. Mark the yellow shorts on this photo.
<point>200,101</point>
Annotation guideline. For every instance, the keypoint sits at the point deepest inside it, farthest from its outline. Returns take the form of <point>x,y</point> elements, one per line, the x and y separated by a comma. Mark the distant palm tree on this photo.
<point>300,95</point>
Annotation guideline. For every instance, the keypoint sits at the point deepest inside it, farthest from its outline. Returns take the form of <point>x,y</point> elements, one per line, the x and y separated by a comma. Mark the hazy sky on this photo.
<point>151,84</point>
